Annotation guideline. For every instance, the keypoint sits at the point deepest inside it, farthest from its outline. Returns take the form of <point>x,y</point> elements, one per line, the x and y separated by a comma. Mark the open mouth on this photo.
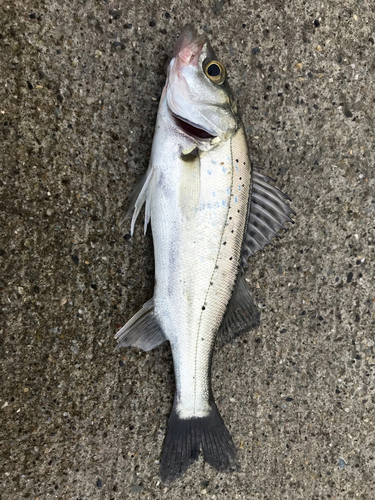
<point>192,129</point>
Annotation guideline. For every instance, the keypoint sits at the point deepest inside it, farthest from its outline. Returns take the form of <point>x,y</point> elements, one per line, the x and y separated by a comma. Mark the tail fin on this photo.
<point>187,437</point>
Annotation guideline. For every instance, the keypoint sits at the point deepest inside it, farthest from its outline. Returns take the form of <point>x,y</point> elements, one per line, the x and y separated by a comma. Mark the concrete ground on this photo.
<point>79,89</point>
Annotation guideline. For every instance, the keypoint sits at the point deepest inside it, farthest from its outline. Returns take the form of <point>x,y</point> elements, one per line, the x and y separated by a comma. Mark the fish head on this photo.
<point>197,93</point>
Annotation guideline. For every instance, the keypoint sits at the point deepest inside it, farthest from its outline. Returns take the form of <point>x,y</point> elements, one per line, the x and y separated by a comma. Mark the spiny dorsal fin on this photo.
<point>241,315</point>
<point>268,214</point>
<point>142,330</point>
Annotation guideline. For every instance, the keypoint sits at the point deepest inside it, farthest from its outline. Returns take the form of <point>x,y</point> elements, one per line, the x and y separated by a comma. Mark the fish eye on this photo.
<point>215,71</point>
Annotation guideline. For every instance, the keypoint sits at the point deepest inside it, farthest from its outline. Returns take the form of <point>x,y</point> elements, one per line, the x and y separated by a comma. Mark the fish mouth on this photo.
<point>189,45</point>
<point>192,129</point>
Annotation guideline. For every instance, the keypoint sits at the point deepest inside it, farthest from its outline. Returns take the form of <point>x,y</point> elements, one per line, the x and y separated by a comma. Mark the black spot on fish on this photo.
<point>203,308</point>
<point>230,258</point>
<point>224,243</point>
<point>237,161</point>
<point>230,218</point>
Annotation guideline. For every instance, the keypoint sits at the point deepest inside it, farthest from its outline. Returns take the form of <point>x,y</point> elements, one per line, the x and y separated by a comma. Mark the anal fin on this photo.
<point>142,330</point>
<point>241,316</point>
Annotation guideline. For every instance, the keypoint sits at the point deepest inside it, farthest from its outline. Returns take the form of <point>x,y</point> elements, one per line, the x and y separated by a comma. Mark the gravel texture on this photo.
<point>79,89</point>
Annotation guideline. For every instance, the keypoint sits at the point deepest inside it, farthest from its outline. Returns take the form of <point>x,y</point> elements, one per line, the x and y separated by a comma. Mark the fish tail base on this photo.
<point>187,437</point>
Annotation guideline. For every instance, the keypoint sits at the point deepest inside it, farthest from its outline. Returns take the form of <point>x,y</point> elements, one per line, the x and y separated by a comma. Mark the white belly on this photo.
<point>198,216</point>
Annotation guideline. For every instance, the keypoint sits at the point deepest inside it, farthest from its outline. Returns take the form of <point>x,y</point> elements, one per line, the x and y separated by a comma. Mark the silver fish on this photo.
<point>209,213</point>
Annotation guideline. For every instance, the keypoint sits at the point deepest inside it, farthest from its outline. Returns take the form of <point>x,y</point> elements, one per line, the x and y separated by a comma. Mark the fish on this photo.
<point>209,211</point>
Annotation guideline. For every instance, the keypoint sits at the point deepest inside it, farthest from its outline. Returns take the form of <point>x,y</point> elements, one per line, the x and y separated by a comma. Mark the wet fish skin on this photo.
<point>197,193</point>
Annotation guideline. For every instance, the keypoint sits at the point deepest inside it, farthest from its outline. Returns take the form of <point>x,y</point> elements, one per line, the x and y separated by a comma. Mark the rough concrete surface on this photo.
<point>79,89</point>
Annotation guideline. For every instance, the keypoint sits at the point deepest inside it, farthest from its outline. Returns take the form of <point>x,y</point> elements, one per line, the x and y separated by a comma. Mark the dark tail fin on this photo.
<point>187,437</point>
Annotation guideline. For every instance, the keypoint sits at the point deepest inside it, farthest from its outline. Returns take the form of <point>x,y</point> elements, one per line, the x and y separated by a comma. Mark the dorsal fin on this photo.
<point>241,315</point>
<point>268,214</point>
<point>142,330</point>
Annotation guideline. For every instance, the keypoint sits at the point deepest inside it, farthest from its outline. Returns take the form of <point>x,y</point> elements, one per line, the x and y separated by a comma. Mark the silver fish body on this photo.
<point>205,223</point>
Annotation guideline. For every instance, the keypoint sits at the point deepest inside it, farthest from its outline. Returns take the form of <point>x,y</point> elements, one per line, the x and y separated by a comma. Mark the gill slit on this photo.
<point>211,279</point>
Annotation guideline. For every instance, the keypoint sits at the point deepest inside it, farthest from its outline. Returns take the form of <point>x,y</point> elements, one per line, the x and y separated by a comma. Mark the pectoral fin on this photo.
<point>142,330</point>
<point>190,184</point>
